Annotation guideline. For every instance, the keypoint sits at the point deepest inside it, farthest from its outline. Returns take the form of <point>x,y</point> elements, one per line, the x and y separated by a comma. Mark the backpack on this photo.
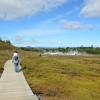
<point>16,58</point>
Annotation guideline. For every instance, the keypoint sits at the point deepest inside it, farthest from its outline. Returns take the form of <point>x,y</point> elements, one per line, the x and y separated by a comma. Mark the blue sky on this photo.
<point>50,23</point>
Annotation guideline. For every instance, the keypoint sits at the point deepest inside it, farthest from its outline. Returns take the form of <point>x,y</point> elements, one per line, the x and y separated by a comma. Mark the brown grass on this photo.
<point>59,77</point>
<point>63,77</point>
<point>4,56</point>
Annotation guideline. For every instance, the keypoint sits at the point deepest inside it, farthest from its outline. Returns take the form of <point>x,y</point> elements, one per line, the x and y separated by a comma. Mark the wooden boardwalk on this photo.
<point>13,86</point>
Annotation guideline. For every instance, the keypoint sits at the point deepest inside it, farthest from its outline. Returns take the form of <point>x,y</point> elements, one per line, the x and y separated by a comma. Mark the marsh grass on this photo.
<point>59,77</point>
<point>63,77</point>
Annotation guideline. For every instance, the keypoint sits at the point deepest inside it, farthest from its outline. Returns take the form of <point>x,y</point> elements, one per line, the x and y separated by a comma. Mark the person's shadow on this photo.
<point>21,69</point>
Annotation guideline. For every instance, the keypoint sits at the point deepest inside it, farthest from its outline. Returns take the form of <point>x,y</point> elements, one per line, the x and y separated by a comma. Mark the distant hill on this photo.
<point>6,45</point>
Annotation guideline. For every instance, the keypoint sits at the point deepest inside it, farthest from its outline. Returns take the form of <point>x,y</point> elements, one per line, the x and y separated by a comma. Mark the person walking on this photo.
<point>15,61</point>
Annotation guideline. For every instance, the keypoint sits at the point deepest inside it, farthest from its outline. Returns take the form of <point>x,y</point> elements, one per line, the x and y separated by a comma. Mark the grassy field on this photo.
<point>60,77</point>
<point>63,77</point>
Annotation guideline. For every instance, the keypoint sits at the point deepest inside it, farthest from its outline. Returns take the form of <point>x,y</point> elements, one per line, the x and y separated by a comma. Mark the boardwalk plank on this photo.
<point>13,86</point>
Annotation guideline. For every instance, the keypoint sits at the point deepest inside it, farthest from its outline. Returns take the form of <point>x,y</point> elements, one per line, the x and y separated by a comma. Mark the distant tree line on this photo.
<point>4,44</point>
<point>31,49</point>
<point>89,50</point>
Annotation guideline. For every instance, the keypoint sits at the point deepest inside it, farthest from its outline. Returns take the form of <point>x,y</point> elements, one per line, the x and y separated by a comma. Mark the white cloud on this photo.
<point>12,9</point>
<point>91,8</point>
<point>74,25</point>
<point>19,38</point>
<point>37,32</point>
